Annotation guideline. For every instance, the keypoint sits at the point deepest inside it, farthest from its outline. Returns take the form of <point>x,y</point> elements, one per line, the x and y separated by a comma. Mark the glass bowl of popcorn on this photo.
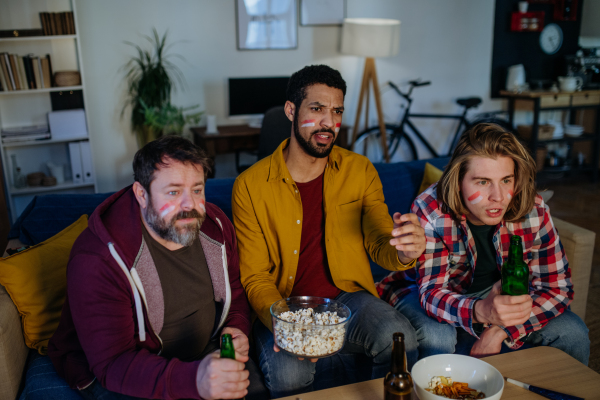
<point>311,327</point>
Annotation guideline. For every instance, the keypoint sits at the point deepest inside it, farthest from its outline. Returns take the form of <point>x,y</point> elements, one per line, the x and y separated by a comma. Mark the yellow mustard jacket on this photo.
<point>267,214</point>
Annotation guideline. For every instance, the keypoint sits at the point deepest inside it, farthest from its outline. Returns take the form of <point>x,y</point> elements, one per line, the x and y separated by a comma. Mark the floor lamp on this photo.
<point>370,38</point>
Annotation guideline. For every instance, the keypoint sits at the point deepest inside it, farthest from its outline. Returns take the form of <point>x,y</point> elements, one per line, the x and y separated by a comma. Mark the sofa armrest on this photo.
<point>13,352</point>
<point>579,246</point>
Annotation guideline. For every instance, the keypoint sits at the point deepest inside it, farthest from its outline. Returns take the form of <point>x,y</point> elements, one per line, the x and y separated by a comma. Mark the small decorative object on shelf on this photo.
<point>527,22</point>
<point>35,178</point>
<point>67,78</point>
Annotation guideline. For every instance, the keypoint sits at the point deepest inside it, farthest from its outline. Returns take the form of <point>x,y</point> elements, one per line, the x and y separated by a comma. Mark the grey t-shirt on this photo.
<point>190,310</point>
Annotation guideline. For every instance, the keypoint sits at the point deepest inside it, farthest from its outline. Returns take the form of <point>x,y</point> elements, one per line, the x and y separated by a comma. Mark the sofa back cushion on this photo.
<point>36,280</point>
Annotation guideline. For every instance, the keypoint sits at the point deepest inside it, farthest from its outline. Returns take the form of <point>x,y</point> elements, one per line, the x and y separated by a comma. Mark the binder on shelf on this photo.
<point>76,166</point>
<point>86,162</point>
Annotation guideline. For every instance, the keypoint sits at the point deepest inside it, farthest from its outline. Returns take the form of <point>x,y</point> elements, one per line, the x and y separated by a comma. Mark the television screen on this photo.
<point>251,96</point>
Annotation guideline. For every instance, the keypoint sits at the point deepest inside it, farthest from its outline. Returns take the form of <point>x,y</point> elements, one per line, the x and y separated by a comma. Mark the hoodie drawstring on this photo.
<point>136,294</point>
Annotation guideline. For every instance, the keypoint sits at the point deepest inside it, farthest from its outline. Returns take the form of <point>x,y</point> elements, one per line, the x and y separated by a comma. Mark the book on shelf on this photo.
<point>14,71</point>
<point>25,130</point>
<point>36,72</point>
<point>2,78</point>
<point>22,76</point>
<point>5,60</point>
<point>40,72</point>
<point>50,70</point>
<point>29,71</point>
<point>26,138</point>
<point>46,72</point>
<point>61,23</point>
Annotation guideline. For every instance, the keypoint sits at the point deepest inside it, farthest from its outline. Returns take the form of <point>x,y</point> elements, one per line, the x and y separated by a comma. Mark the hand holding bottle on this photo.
<point>502,310</point>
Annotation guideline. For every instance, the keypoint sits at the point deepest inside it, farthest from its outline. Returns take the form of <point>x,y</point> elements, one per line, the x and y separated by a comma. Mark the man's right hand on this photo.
<point>221,378</point>
<point>503,310</point>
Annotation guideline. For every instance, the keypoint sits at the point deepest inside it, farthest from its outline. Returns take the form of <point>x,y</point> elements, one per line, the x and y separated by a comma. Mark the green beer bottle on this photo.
<point>227,349</point>
<point>398,384</point>
<point>515,271</point>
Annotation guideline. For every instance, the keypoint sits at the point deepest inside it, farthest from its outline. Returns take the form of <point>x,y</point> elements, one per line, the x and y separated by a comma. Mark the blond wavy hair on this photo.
<point>489,141</point>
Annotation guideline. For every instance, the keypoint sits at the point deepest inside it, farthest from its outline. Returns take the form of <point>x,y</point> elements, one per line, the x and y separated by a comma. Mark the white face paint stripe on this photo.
<point>166,211</point>
<point>337,130</point>
<point>202,207</point>
<point>477,199</point>
<point>307,124</point>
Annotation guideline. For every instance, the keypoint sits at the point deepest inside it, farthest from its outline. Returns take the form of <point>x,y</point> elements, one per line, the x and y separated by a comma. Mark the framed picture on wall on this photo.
<point>266,24</point>
<point>322,12</point>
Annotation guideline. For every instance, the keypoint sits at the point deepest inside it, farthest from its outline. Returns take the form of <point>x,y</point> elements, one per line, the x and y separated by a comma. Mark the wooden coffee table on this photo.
<point>540,366</point>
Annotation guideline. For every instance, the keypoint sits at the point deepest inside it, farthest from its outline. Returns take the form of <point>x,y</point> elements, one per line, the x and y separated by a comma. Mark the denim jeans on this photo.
<point>43,383</point>
<point>566,332</point>
<point>368,333</point>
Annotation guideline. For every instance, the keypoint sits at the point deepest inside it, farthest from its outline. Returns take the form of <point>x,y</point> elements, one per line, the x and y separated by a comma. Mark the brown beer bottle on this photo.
<point>398,384</point>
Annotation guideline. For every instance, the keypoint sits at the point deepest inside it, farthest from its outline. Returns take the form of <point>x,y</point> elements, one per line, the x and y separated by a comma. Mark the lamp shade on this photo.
<point>371,37</point>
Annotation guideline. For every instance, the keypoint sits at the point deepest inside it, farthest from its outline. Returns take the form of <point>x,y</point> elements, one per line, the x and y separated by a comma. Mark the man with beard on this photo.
<point>152,284</point>
<point>305,219</point>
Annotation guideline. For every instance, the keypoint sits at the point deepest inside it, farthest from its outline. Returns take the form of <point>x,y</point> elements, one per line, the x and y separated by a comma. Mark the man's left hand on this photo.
<point>489,343</point>
<point>409,237</point>
<point>240,343</point>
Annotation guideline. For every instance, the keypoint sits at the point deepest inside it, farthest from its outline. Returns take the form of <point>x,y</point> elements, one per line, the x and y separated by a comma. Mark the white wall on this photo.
<point>447,42</point>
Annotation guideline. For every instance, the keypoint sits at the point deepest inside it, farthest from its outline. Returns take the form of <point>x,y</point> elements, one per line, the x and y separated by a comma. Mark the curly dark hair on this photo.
<point>157,153</point>
<point>312,75</point>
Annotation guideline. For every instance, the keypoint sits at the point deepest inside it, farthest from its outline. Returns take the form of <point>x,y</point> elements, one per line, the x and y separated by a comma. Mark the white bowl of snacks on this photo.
<point>456,377</point>
<point>311,327</point>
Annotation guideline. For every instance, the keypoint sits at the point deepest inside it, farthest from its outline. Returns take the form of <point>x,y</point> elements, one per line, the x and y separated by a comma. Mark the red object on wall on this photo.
<point>527,22</point>
<point>565,10</point>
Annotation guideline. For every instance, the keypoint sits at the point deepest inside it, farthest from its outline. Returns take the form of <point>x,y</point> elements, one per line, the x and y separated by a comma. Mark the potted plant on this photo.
<point>167,119</point>
<point>151,77</point>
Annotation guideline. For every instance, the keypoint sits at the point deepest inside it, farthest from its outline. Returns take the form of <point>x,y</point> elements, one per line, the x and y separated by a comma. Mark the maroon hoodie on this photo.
<point>115,306</point>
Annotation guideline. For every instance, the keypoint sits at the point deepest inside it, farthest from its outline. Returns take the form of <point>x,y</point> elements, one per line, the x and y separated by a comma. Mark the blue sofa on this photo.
<point>47,215</point>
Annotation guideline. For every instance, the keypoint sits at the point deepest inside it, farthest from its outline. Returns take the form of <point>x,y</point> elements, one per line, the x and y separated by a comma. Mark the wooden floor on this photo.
<point>576,200</point>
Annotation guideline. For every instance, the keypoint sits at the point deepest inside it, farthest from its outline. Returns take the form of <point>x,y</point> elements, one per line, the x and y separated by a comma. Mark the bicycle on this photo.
<point>398,140</point>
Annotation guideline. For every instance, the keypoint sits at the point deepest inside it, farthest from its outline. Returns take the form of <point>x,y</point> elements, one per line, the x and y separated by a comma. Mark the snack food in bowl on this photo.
<point>306,326</point>
<point>475,373</point>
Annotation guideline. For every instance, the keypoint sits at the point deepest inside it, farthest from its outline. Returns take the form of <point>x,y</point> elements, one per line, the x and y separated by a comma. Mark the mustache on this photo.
<point>323,130</point>
<point>188,214</point>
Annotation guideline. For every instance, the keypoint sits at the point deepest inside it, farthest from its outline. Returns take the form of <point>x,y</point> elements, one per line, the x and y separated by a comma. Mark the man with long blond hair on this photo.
<point>454,300</point>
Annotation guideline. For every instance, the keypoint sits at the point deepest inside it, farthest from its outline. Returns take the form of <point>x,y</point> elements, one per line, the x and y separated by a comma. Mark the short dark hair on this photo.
<point>312,75</point>
<point>157,153</point>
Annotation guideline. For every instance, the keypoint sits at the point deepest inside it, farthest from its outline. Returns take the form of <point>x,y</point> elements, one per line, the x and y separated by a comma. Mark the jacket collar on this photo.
<point>279,171</point>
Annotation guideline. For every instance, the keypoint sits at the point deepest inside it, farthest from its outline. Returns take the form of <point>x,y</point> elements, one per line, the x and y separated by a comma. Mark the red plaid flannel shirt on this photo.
<point>445,270</point>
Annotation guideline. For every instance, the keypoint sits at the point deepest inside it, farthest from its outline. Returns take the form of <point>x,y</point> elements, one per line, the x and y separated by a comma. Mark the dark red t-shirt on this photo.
<point>312,276</point>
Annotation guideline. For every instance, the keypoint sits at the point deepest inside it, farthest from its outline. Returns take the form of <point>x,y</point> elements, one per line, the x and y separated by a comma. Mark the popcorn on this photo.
<point>307,333</point>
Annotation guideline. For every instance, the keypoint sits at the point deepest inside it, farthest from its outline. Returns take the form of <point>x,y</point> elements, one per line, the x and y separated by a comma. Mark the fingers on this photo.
<point>275,348</point>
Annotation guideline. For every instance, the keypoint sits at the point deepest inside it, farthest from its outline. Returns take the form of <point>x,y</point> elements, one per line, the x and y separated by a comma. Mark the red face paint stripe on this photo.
<point>338,124</point>
<point>474,196</point>
<point>308,121</point>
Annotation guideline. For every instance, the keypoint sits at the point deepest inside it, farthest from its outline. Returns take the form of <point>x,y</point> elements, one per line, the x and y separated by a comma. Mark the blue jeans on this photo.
<point>566,332</point>
<point>368,333</point>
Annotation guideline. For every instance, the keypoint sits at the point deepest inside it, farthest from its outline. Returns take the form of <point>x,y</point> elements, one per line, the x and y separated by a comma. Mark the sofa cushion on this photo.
<point>36,281</point>
<point>430,176</point>
<point>47,215</point>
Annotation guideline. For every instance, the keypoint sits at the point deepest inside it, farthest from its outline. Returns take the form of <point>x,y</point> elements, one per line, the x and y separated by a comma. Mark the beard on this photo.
<point>318,150</point>
<point>168,230</point>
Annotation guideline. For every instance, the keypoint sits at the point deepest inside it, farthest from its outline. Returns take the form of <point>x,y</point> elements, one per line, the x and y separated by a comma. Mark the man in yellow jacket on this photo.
<point>305,218</point>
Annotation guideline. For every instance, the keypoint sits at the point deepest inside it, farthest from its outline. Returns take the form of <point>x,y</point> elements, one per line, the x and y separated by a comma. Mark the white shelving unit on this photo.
<point>30,107</point>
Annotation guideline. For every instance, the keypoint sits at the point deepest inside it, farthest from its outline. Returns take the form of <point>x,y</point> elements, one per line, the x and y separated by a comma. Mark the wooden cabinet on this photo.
<point>537,102</point>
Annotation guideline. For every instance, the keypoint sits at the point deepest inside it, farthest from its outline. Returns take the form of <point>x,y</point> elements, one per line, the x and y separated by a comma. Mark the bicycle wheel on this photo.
<point>368,144</point>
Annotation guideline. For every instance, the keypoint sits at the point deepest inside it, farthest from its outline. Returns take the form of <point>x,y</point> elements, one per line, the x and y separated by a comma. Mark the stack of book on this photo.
<point>27,72</point>
<point>61,23</point>
<point>25,133</point>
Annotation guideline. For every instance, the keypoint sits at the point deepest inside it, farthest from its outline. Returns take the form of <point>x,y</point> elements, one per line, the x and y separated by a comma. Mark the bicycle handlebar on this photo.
<point>413,84</point>
<point>419,83</point>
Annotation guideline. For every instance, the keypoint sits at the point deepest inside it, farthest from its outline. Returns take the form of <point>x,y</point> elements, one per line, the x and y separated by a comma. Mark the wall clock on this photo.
<point>551,38</point>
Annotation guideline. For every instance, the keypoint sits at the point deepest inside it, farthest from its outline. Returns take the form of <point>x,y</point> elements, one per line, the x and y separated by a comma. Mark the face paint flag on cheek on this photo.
<point>510,194</point>
<point>166,209</point>
<point>475,198</point>
<point>337,127</point>
<point>202,205</point>
<point>307,122</point>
